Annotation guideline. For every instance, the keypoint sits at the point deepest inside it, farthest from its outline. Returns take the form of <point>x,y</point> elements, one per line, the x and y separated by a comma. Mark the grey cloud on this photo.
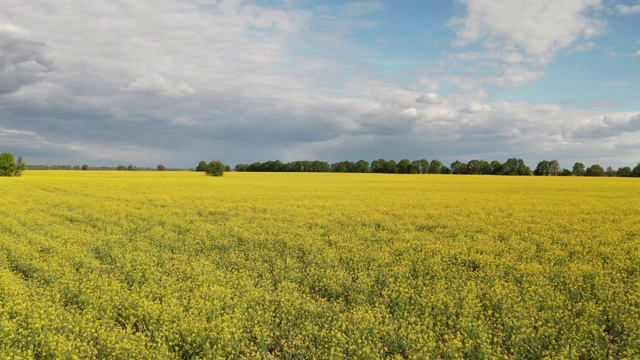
<point>22,62</point>
<point>429,98</point>
<point>608,126</point>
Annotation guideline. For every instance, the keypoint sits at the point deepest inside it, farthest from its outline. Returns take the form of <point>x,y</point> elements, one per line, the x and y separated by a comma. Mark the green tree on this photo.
<point>542,168</point>
<point>554,167</point>
<point>378,166</point>
<point>215,168</point>
<point>85,167</point>
<point>624,171</point>
<point>578,169</point>
<point>161,168</point>
<point>362,166</point>
<point>415,167</point>
<point>391,167</point>
<point>595,170</point>
<point>610,171</point>
<point>474,167</point>
<point>510,167</point>
<point>202,166</point>
<point>404,166</point>
<point>636,171</point>
<point>424,166</point>
<point>496,167</point>
<point>435,167</point>
<point>458,167</point>
<point>9,166</point>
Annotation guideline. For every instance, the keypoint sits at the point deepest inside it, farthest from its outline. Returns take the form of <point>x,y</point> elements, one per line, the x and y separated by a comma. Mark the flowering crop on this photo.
<point>177,265</point>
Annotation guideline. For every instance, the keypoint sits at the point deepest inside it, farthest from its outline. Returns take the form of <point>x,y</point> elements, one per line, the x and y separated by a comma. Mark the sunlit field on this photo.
<point>178,265</point>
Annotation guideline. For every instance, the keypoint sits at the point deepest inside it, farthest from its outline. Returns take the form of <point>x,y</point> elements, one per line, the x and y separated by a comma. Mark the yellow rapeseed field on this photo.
<point>177,265</point>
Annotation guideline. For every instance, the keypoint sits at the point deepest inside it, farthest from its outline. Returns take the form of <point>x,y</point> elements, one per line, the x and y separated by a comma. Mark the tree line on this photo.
<point>512,166</point>
<point>10,166</point>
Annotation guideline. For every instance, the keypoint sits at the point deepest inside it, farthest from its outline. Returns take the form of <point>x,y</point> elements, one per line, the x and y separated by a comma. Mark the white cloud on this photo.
<point>156,83</point>
<point>515,76</point>
<point>530,25</point>
<point>637,54</point>
<point>520,37</point>
<point>474,108</point>
<point>411,112</point>
<point>628,10</point>
<point>585,46</point>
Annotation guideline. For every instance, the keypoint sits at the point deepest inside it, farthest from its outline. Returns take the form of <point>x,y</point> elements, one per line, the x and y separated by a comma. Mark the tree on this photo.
<point>343,166</point>
<point>510,167</point>
<point>496,167</point>
<point>161,168</point>
<point>435,167</point>
<point>554,167</point>
<point>214,168</point>
<point>391,167</point>
<point>458,167</point>
<point>320,166</point>
<point>595,170</point>
<point>636,171</point>
<point>542,168</point>
<point>624,171</point>
<point>474,167</point>
<point>404,166</point>
<point>578,169</point>
<point>85,167</point>
<point>424,166</point>
<point>202,166</point>
<point>565,172</point>
<point>378,166</point>
<point>9,166</point>
<point>610,171</point>
<point>20,166</point>
<point>362,166</point>
<point>415,167</point>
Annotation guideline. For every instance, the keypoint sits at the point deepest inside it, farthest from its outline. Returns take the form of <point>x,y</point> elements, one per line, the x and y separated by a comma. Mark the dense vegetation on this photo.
<point>172,265</point>
<point>9,166</point>
<point>512,166</point>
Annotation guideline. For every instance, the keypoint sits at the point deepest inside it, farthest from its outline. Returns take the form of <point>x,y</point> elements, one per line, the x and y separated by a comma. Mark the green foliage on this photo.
<point>546,167</point>
<point>161,168</point>
<point>595,170</point>
<point>579,169</point>
<point>624,171</point>
<point>215,168</point>
<point>202,166</point>
<point>9,166</point>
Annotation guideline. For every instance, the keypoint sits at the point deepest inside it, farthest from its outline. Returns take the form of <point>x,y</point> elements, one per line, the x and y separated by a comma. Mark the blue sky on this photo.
<point>176,82</point>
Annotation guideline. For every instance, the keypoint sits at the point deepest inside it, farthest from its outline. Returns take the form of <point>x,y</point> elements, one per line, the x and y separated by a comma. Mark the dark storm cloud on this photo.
<point>22,62</point>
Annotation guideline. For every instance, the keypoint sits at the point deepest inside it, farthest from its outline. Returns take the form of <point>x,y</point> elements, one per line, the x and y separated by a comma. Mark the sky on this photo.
<point>171,82</point>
